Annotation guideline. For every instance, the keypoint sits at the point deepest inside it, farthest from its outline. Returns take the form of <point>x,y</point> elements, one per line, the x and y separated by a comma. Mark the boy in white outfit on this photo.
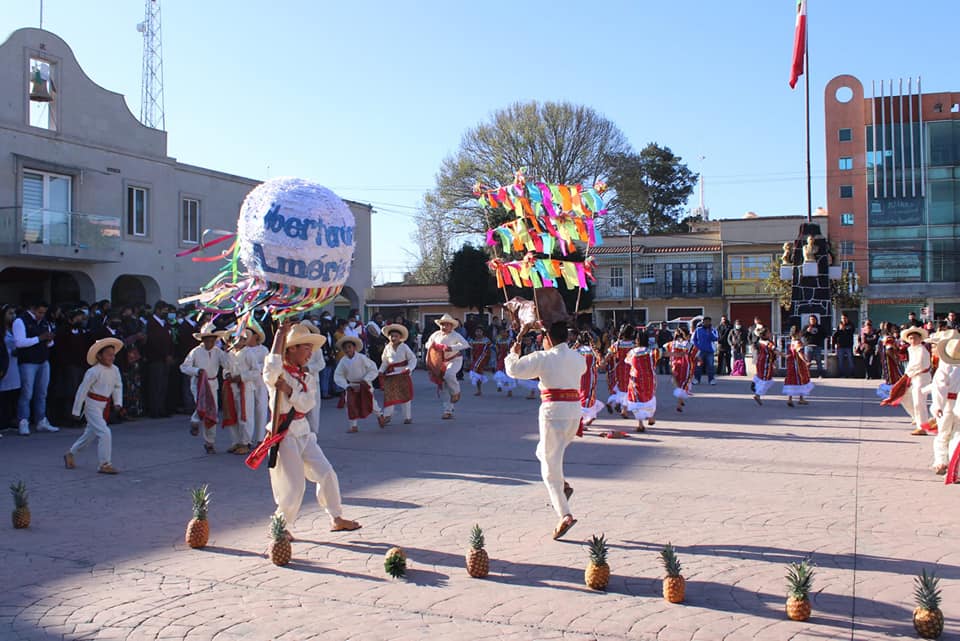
<point>918,369</point>
<point>299,458</point>
<point>559,369</point>
<point>316,364</point>
<point>208,359</point>
<point>445,360</point>
<point>252,358</point>
<point>100,388</point>
<point>943,391</point>
<point>398,362</point>
<point>233,392</point>
<point>355,373</point>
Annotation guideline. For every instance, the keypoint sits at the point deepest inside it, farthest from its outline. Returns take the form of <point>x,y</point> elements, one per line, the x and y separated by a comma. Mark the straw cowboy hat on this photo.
<point>99,346</point>
<point>350,339</point>
<point>914,330</point>
<point>447,318</point>
<point>949,351</point>
<point>254,326</point>
<point>309,325</point>
<point>396,327</point>
<point>300,334</point>
<point>207,331</point>
<point>944,335</point>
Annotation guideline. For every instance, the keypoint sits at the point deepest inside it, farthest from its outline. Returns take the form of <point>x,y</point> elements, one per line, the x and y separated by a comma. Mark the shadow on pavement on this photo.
<point>395,505</point>
<point>216,549</point>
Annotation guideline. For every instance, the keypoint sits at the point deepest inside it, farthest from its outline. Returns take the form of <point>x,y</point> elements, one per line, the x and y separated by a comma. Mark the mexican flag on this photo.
<point>799,43</point>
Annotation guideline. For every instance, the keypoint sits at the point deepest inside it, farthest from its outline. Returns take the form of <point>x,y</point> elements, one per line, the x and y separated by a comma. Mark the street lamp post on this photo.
<point>630,231</point>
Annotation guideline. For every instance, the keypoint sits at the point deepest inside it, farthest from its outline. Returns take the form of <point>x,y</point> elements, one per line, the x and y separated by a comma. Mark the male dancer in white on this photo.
<point>316,364</point>
<point>101,387</point>
<point>943,392</point>
<point>918,369</point>
<point>210,359</point>
<point>299,458</point>
<point>559,369</point>
<point>398,360</point>
<point>448,348</point>
<point>251,372</point>
<point>355,373</point>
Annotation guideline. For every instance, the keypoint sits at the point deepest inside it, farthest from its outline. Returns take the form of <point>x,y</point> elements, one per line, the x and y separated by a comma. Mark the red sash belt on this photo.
<point>560,395</point>
<point>952,396</point>
<point>102,399</point>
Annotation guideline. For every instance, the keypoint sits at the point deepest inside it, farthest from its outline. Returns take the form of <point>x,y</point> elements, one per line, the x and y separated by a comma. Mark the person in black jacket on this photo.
<point>813,340</point>
<point>723,347</point>
<point>843,343</point>
<point>868,349</point>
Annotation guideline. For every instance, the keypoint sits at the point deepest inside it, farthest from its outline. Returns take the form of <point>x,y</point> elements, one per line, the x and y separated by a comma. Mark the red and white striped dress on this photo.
<point>589,405</point>
<point>797,380</point>
<point>766,360</point>
<point>618,372</point>
<point>642,387</point>
<point>683,363</point>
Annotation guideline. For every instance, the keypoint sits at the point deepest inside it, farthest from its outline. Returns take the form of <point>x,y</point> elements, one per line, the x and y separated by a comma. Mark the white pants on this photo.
<point>257,411</point>
<point>918,400</point>
<point>96,429</point>
<point>301,459</point>
<point>313,416</point>
<point>451,386</point>
<point>945,428</point>
<point>555,435</point>
<point>209,433</point>
<point>407,410</point>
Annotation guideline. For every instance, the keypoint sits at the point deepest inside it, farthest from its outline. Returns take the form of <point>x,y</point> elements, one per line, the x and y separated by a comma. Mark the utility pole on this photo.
<point>151,83</point>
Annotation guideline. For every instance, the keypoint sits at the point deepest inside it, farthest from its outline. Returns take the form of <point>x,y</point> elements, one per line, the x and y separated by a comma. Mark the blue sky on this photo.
<point>368,97</point>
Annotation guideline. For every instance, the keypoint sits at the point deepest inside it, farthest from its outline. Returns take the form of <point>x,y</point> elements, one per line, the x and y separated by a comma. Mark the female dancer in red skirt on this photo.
<point>797,380</point>
<point>683,362</point>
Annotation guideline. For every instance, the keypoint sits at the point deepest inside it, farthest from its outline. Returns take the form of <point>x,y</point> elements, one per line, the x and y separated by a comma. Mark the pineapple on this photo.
<point>21,515</point>
<point>674,585</point>
<point>198,529</point>
<point>280,551</point>
<point>799,584</point>
<point>927,617</point>
<point>478,563</point>
<point>597,573</point>
<point>395,562</point>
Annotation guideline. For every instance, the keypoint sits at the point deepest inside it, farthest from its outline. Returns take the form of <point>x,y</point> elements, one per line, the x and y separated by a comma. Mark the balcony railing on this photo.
<point>66,235</point>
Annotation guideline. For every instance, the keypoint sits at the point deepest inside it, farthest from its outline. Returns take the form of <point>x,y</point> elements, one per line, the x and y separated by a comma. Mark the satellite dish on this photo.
<point>141,27</point>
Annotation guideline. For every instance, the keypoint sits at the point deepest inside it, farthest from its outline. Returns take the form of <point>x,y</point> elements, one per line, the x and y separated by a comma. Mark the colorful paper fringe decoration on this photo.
<point>548,218</point>
<point>543,272</point>
<point>233,292</point>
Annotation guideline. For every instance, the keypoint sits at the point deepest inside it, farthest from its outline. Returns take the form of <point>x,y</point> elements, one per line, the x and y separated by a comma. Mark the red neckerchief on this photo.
<point>298,373</point>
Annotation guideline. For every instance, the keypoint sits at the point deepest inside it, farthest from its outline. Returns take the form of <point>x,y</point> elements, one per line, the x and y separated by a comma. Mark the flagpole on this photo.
<point>806,86</point>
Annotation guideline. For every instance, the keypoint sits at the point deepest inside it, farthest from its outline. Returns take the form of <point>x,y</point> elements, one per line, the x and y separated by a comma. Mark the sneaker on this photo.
<point>44,426</point>
<point>24,427</point>
<point>106,468</point>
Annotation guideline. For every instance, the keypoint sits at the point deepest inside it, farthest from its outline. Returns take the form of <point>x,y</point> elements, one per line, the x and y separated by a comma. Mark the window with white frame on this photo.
<point>748,266</point>
<point>137,214</point>
<point>616,277</point>
<point>47,203</point>
<point>848,266</point>
<point>646,271</point>
<point>846,247</point>
<point>190,221</point>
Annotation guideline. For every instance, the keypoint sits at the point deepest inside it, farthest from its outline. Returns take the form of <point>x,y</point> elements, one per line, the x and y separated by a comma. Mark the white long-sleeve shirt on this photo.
<point>398,355</point>
<point>918,360</point>
<point>302,399</point>
<point>557,368</point>
<point>945,381</point>
<point>102,381</point>
<point>251,360</point>
<point>209,361</point>
<point>354,370</point>
<point>454,342</point>
<point>20,334</point>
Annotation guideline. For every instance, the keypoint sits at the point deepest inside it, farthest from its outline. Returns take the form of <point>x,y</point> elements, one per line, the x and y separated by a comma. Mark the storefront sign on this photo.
<point>887,212</point>
<point>895,268</point>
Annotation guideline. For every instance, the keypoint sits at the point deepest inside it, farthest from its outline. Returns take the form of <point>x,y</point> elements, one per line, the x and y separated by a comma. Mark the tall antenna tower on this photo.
<point>151,84</point>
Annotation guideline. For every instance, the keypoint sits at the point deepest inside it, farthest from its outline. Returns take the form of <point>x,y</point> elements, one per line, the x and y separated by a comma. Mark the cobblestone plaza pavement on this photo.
<point>740,490</point>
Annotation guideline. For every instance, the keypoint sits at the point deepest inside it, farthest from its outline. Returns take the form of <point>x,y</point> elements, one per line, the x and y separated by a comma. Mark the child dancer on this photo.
<point>618,370</point>
<point>908,390</point>
<point>943,391</point>
<point>480,354</point>
<point>316,364</point>
<point>444,359</point>
<point>530,344</point>
<point>683,362</point>
<point>765,358</point>
<point>202,364</point>
<point>891,366</point>
<point>589,405</point>
<point>395,368</point>
<point>252,358</point>
<point>502,344</point>
<point>797,380</point>
<point>100,388</point>
<point>355,373</point>
<point>642,385</point>
<point>234,397</point>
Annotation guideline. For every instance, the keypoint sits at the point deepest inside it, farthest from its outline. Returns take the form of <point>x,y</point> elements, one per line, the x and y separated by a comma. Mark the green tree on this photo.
<point>650,190</point>
<point>782,290</point>
<point>471,284</point>
<point>555,142</point>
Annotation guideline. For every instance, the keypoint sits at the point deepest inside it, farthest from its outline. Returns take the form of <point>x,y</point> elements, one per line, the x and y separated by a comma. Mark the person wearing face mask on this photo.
<point>737,339</point>
<point>69,363</point>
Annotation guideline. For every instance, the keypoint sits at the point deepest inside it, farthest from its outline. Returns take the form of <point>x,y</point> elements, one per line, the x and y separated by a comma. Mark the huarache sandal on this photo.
<point>567,490</point>
<point>407,421</point>
<point>68,461</point>
<point>106,468</point>
<point>345,525</point>
<point>757,399</point>
<point>564,527</point>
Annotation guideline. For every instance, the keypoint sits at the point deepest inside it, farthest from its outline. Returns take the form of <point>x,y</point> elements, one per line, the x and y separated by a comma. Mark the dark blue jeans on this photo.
<point>845,361</point>
<point>708,367</point>
<point>813,353</point>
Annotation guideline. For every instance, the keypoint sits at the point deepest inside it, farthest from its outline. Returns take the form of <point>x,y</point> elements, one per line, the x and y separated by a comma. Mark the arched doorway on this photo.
<point>131,289</point>
<point>21,285</point>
